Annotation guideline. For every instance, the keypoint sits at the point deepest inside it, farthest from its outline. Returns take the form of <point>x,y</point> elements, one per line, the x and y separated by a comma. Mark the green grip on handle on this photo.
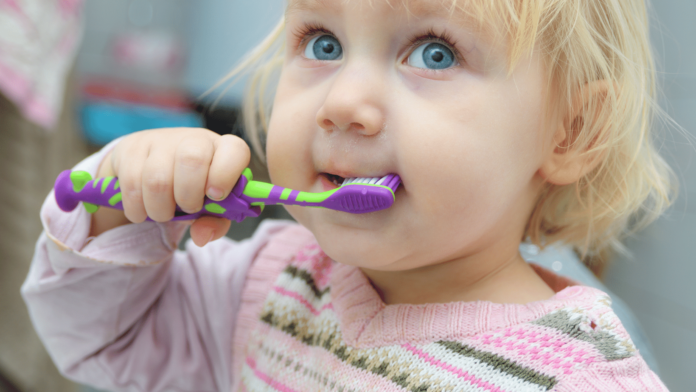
<point>80,179</point>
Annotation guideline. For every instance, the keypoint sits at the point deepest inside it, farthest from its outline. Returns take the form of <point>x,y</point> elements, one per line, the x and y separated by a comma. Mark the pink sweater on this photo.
<point>126,312</point>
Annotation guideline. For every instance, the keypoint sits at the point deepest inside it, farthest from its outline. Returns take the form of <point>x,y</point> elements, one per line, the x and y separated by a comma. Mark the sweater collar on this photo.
<point>367,322</point>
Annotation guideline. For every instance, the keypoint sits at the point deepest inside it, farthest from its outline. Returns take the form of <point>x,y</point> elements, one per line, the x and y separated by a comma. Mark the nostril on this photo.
<point>358,127</point>
<point>329,125</point>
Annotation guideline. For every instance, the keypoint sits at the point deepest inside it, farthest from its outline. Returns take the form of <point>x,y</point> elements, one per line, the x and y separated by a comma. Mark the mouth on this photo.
<point>337,180</point>
<point>360,195</point>
<point>330,181</point>
<point>333,179</point>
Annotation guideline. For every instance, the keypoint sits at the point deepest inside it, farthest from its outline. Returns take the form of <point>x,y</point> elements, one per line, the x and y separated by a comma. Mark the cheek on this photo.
<point>475,152</point>
<point>288,142</point>
<point>287,155</point>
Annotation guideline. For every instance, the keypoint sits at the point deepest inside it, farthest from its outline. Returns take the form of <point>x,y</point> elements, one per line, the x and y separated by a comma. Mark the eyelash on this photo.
<point>303,34</point>
<point>432,36</point>
<point>307,31</point>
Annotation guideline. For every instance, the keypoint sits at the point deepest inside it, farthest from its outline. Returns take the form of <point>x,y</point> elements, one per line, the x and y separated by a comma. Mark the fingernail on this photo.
<point>214,193</point>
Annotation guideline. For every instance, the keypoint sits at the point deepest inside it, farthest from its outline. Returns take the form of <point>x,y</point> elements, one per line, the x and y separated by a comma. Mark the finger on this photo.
<point>209,228</point>
<point>158,186</point>
<point>230,158</point>
<point>129,172</point>
<point>106,167</point>
<point>191,164</point>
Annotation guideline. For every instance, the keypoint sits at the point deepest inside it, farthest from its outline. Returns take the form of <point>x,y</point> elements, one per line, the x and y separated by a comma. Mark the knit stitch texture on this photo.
<point>308,323</point>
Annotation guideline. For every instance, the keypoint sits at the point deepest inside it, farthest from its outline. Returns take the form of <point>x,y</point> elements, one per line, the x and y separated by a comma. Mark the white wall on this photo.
<point>658,282</point>
<point>220,33</point>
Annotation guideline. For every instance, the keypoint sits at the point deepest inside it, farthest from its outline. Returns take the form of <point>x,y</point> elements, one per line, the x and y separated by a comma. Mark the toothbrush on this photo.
<point>247,199</point>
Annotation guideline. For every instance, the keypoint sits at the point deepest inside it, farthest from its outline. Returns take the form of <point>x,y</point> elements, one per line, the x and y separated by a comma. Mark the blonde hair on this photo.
<point>581,41</point>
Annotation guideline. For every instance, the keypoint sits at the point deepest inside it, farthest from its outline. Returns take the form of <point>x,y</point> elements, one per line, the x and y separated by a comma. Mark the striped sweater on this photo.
<point>307,323</point>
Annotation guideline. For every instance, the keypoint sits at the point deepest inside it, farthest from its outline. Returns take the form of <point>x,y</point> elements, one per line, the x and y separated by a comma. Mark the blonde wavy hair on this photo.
<point>580,41</point>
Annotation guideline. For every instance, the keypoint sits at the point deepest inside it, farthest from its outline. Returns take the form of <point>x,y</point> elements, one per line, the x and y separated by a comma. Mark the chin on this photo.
<point>354,251</point>
<point>361,240</point>
<point>356,246</point>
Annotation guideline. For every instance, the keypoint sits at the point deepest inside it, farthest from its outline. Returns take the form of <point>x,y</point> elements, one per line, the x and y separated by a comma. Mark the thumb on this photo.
<point>209,228</point>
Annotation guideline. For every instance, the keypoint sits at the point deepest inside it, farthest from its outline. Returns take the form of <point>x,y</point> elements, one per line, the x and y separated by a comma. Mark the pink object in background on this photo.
<point>38,42</point>
<point>70,8</point>
<point>157,51</point>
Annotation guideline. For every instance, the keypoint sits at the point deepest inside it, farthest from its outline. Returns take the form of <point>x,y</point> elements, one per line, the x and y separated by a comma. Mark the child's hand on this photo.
<point>161,168</point>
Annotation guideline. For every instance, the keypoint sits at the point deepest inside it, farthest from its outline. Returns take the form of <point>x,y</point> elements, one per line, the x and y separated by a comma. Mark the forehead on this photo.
<point>465,12</point>
<point>413,7</point>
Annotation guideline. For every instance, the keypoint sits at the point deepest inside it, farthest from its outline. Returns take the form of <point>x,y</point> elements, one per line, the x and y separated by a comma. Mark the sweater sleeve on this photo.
<point>626,375</point>
<point>126,311</point>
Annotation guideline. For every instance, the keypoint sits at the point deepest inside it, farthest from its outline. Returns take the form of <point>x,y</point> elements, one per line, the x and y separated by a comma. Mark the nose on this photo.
<point>354,102</point>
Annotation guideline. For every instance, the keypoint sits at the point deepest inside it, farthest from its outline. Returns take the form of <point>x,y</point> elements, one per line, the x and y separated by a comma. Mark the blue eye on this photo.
<point>323,47</point>
<point>432,55</point>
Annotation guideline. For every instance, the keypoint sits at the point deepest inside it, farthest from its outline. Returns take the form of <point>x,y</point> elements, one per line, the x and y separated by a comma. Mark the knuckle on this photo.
<point>193,159</point>
<point>130,189</point>
<point>157,184</point>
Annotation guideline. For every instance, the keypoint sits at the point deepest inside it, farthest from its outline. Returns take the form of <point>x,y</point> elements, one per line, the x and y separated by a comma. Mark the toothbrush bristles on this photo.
<point>391,181</point>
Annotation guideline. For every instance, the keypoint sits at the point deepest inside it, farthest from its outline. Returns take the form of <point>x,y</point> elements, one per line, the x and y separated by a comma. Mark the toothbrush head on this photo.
<point>362,195</point>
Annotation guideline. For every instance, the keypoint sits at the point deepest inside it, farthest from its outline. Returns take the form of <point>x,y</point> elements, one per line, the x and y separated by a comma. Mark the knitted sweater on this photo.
<point>309,324</point>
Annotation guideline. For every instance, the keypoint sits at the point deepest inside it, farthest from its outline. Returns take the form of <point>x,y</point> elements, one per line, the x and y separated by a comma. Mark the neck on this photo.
<point>500,275</point>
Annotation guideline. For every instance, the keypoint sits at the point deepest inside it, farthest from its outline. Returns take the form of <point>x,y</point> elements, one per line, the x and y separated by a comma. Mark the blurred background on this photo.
<point>94,70</point>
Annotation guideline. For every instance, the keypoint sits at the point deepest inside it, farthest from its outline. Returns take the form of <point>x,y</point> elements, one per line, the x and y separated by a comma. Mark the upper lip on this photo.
<point>346,174</point>
<point>351,173</point>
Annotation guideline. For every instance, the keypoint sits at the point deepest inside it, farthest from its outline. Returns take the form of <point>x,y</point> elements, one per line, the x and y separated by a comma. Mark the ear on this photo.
<point>568,163</point>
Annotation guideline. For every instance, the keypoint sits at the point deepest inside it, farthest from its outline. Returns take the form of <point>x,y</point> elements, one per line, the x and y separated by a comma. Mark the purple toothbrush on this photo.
<point>247,199</point>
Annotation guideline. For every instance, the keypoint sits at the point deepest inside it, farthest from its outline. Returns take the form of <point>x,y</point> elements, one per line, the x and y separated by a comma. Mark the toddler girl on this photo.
<point>505,119</point>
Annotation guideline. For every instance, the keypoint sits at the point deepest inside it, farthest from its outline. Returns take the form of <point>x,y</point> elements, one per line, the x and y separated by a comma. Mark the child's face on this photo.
<point>367,90</point>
